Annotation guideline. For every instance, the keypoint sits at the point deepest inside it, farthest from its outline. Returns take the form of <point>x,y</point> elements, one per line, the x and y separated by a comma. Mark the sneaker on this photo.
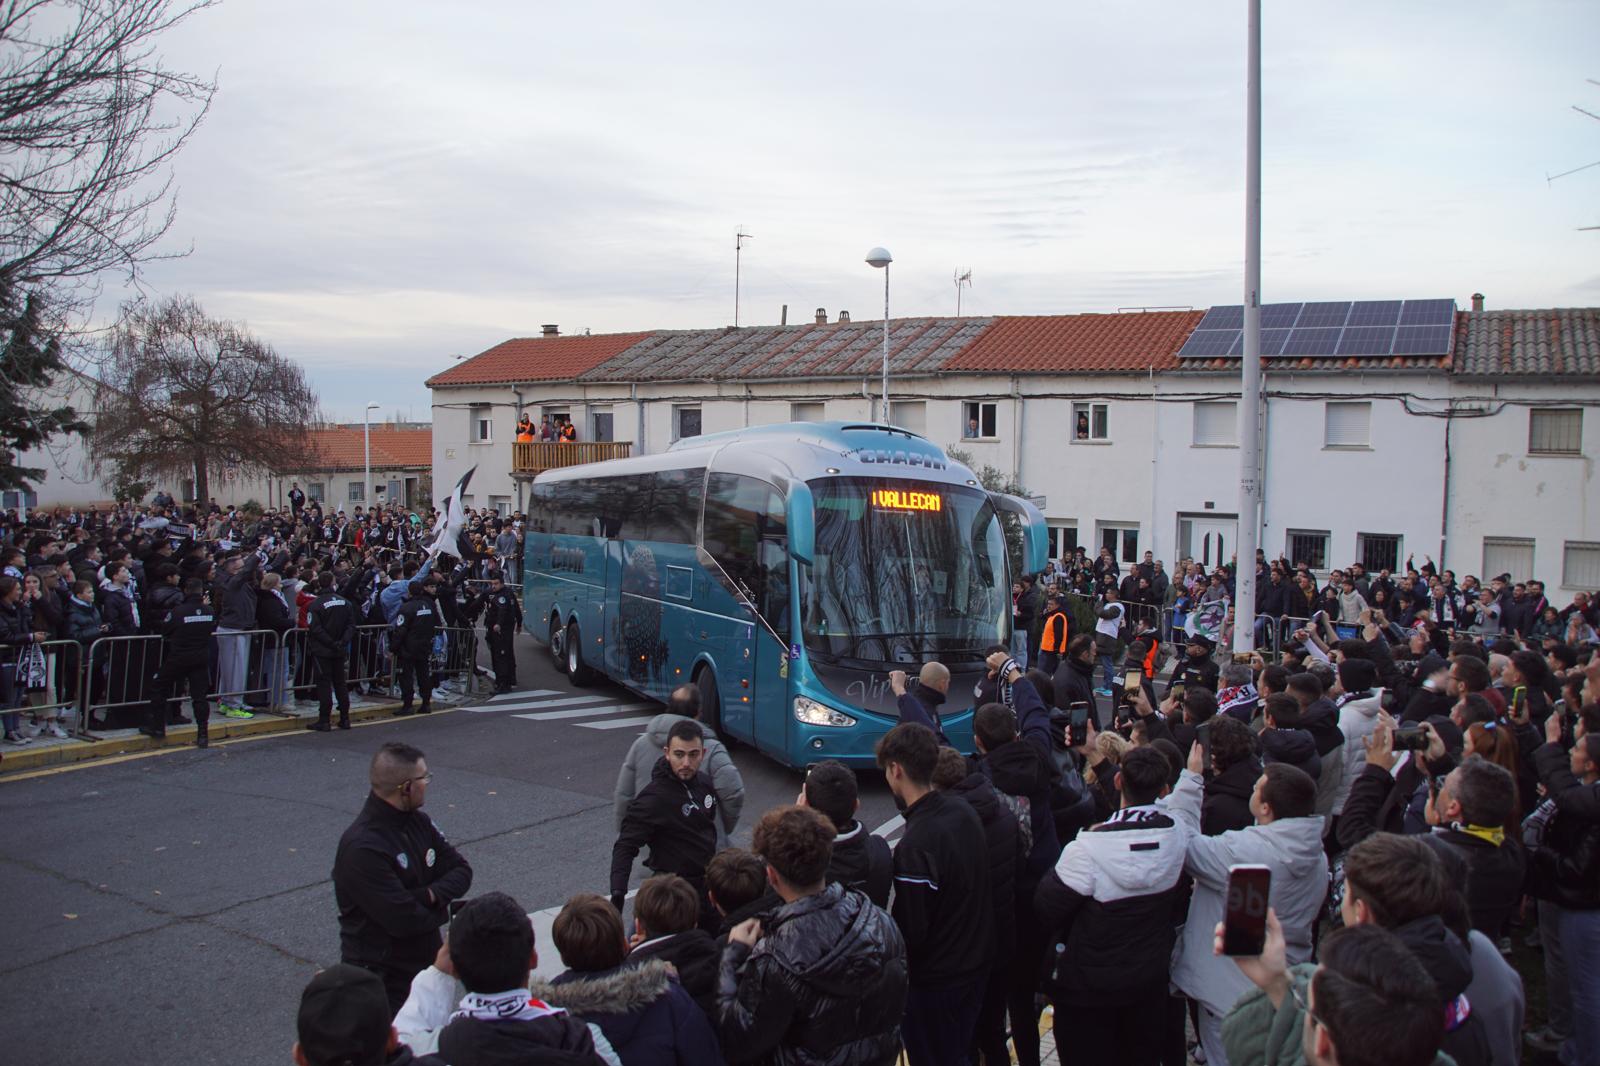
<point>57,731</point>
<point>13,737</point>
<point>1544,1040</point>
<point>1102,692</point>
<point>236,712</point>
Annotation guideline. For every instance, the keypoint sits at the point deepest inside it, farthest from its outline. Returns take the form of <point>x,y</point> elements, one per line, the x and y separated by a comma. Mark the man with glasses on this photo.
<point>395,875</point>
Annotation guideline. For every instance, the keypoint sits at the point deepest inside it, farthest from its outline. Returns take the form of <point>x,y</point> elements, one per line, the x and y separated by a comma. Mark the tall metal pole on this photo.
<point>366,435</point>
<point>739,237</point>
<point>886,344</point>
<point>1244,603</point>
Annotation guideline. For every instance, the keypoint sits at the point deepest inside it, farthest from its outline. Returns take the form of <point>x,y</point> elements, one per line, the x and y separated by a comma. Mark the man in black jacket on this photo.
<point>920,701</point>
<point>186,657</point>
<point>501,620</point>
<point>823,978</point>
<point>675,816</point>
<point>330,619</point>
<point>1469,812</point>
<point>1115,900</point>
<point>1198,670</point>
<point>395,875</point>
<point>941,901</point>
<point>411,637</point>
<point>1230,779</point>
<point>859,859</point>
<point>1074,678</point>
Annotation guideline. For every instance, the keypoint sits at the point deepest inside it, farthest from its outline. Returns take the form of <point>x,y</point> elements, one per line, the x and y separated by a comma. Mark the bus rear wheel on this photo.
<point>711,703</point>
<point>577,672</point>
<point>556,639</point>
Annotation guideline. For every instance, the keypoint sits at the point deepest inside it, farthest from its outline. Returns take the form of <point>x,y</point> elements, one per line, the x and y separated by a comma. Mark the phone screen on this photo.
<point>1244,922</point>
<point>1078,724</point>
<point>1131,682</point>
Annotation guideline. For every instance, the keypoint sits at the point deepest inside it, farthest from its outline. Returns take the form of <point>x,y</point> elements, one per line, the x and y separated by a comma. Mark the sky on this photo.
<point>381,187</point>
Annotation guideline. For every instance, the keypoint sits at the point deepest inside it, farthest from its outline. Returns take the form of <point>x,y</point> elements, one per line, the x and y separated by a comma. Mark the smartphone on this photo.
<point>1078,724</point>
<point>1519,701</point>
<point>1411,738</point>
<point>1176,691</point>
<point>1202,733</point>
<point>1132,681</point>
<point>1244,921</point>
<point>1242,657</point>
<point>452,909</point>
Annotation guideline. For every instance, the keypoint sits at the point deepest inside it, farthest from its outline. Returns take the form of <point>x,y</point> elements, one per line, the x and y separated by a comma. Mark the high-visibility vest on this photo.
<point>1150,660</point>
<point>1050,642</point>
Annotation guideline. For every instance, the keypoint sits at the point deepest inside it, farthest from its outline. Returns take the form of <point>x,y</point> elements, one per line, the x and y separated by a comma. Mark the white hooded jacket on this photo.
<point>1358,718</point>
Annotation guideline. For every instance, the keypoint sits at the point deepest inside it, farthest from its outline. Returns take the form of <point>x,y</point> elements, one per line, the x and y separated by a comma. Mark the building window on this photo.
<point>316,490</point>
<point>979,420</point>
<point>1348,424</point>
<point>1308,547</point>
<point>1507,555</point>
<point>685,422</point>
<point>186,490</point>
<point>501,505</point>
<point>358,492</point>
<point>1580,565</point>
<point>1091,421</point>
<point>807,412</point>
<point>1216,423</point>
<point>604,428</point>
<point>1122,540</point>
<point>1555,432</point>
<point>1063,540</point>
<point>1378,551</point>
<point>909,414</point>
<point>19,498</point>
<point>482,424</point>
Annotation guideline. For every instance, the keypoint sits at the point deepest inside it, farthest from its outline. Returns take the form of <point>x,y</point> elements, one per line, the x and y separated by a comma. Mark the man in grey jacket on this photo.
<point>718,765</point>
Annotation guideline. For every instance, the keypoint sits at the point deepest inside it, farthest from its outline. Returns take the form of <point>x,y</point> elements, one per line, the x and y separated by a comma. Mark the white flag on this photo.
<point>452,517</point>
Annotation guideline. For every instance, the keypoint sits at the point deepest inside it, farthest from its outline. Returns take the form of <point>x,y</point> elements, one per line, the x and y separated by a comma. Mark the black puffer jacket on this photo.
<point>1005,858</point>
<point>1227,798</point>
<point>1490,875</point>
<point>1566,866</point>
<point>824,986</point>
<point>1296,747</point>
<point>1074,683</point>
<point>695,954</point>
<point>161,601</point>
<point>863,861</point>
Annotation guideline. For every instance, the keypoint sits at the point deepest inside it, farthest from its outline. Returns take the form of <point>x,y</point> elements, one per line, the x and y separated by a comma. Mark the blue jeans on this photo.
<point>1580,943</point>
<point>1108,670</point>
<point>1019,647</point>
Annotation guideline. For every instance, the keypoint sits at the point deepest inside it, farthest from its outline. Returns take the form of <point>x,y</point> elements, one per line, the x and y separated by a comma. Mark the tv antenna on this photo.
<point>739,237</point>
<point>963,278</point>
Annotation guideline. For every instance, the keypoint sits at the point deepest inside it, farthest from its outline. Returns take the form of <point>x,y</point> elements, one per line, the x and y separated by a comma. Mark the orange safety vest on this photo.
<point>1049,642</point>
<point>1150,660</point>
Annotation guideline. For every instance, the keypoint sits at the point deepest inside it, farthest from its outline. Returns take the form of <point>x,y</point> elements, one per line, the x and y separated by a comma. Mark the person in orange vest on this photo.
<point>1053,644</point>
<point>524,430</point>
<point>569,432</point>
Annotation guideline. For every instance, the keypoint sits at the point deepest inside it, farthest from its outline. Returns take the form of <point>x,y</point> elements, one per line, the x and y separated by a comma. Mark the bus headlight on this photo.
<point>813,713</point>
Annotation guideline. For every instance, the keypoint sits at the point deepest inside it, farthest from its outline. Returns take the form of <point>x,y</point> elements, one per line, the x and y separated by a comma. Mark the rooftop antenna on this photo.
<point>739,237</point>
<point>962,278</point>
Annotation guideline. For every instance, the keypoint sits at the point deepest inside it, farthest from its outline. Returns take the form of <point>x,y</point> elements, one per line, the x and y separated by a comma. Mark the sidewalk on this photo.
<point>48,751</point>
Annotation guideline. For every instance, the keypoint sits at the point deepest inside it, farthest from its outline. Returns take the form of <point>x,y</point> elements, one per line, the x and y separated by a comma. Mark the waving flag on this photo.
<point>452,518</point>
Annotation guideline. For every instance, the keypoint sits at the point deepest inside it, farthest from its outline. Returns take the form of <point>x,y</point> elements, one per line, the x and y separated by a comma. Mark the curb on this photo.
<point>219,728</point>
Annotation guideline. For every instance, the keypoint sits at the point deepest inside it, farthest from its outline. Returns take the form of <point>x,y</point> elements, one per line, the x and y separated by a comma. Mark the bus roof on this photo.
<point>799,450</point>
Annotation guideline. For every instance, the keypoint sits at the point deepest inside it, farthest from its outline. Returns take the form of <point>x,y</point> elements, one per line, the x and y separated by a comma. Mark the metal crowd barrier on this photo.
<point>57,688</point>
<point>118,674</point>
<point>460,658</point>
<point>370,661</point>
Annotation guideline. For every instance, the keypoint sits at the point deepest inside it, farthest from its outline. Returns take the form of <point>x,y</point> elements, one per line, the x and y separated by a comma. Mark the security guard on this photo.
<point>1053,642</point>
<point>411,636</point>
<point>502,619</point>
<point>330,619</point>
<point>186,656</point>
<point>395,875</point>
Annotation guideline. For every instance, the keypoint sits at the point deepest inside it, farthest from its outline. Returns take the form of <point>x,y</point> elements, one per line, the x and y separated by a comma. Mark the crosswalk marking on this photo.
<point>581,712</point>
<point>617,723</point>
<point>527,695</point>
<point>541,705</point>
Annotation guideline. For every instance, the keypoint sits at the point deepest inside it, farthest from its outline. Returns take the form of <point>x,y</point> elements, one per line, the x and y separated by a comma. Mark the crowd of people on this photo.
<point>1418,797</point>
<point>255,608</point>
<point>557,428</point>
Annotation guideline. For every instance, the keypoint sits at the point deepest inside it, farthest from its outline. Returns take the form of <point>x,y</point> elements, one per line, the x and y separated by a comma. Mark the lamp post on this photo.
<point>366,435</point>
<point>880,257</point>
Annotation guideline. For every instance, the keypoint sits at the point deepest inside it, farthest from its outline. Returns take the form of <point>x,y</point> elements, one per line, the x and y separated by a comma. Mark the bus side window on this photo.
<point>745,532</point>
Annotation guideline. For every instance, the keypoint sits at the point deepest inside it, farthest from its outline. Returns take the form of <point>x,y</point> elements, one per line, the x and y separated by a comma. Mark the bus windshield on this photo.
<point>904,572</point>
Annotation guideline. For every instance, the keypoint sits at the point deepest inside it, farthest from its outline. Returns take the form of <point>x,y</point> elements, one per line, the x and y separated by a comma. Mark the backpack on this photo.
<point>1022,808</point>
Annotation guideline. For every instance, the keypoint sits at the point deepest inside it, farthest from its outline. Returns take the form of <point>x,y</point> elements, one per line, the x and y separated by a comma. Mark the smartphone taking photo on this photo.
<point>1244,920</point>
<point>1078,724</point>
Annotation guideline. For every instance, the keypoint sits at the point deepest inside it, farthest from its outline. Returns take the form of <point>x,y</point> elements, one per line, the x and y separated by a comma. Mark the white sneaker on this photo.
<point>57,731</point>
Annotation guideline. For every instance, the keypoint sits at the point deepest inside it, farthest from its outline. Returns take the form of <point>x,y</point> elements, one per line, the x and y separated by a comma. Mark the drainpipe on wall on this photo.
<point>1265,453</point>
<point>1016,431</point>
<point>1155,468</point>
<point>1444,510</point>
<point>638,410</point>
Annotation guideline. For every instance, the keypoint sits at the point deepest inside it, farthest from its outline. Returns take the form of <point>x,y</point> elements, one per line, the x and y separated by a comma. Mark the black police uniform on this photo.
<point>388,861</point>
<point>330,619</point>
<point>186,656</point>
<point>411,637</point>
<point>503,611</point>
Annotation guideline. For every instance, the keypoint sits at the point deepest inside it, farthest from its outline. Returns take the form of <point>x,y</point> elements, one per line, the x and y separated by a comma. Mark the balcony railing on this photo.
<point>529,458</point>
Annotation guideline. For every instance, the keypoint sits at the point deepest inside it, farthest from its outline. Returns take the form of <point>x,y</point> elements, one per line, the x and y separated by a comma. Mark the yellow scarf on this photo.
<point>1492,833</point>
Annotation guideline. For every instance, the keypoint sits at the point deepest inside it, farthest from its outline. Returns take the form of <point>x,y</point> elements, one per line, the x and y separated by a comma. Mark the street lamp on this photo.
<point>366,434</point>
<point>880,257</point>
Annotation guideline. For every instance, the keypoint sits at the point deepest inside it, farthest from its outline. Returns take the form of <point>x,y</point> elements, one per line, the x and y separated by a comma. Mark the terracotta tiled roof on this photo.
<point>536,359</point>
<point>1561,341</point>
<point>343,448</point>
<point>1080,344</point>
<point>837,349</point>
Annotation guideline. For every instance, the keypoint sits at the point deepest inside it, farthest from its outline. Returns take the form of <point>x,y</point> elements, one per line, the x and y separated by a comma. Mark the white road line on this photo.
<point>618,723</point>
<point>581,712</point>
<point>527,695</point>
<point>890,826</point>
<point>541,705</point>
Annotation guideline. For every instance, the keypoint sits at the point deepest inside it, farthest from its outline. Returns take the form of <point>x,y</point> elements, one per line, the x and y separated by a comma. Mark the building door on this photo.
<point>1208,539</point>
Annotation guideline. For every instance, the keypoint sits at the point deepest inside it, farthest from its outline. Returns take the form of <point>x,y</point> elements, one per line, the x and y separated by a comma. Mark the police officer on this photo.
<point>411,636</point>
<point>395,875</point>
<point>186,656</point>
<point>330,619</point>
<point>502,619</point>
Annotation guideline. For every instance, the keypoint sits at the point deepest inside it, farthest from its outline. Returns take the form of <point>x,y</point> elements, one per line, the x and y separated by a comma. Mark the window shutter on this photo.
<point>1580,565</point>
<point>1349,424</point>
<point>1507,555</point>
<point>1216,422</point>
<point>1555,432</point>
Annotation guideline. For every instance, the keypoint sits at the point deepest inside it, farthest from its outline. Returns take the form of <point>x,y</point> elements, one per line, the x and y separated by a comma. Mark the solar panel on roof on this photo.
<point>1428,313</point>
<point>1271,342</point>
<point>1374,313</point>
<point>1228,316</point>
<point>1279,316</point>
<point>1314,341</point>
<point>1208,343</point>
<point>1323,314</point>
<point>1366,340</point>
<point>1422,340</point>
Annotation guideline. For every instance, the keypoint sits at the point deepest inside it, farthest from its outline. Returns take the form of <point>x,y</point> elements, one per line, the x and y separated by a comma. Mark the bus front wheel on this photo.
<point>711,703</point>
<point>572,645</point>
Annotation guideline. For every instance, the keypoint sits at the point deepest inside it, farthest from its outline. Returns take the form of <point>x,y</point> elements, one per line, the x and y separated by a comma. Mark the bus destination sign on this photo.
<point>902,500</point>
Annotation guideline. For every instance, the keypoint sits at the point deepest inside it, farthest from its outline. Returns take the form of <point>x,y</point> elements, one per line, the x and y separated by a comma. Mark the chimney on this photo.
<point>844,316</point>
<point>822,316</point>
<point>1477,301</point>
<point>784,321</point>
<point>550,329</point>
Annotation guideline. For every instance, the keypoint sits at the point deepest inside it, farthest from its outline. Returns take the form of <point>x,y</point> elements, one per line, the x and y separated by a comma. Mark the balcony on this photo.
<point>535,457</point>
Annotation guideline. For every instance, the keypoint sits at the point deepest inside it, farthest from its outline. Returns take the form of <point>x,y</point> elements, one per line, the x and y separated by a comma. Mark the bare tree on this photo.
<point>180,394</point>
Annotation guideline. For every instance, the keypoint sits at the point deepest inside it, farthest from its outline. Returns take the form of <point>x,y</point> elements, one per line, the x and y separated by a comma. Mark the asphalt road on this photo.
<point>169,908</point>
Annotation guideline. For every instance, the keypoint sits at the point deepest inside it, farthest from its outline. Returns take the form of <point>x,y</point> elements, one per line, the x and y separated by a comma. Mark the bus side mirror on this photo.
<point>802,522</point>
<point>1035,546</point>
